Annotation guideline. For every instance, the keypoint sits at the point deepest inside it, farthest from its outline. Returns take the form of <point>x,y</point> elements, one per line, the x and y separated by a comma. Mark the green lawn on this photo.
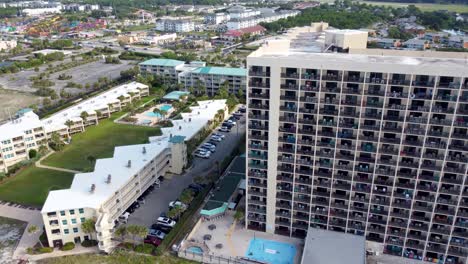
<point>424,7</point>
<point>32,185</point>
<point>121,258</point>
<point>99,141</point>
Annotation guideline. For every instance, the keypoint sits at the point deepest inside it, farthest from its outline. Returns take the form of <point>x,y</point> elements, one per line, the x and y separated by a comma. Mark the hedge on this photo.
<point>68,246</point>
<point>89,243</point>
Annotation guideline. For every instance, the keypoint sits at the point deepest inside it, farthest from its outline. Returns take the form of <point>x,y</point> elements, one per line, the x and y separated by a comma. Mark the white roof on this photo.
<point>18,126</point>
<point>57,120</point>
<point>79,195</point>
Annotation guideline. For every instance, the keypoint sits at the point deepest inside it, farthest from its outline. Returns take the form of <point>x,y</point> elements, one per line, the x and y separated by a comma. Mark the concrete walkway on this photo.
<point>32,217</point>
<point>39,165</point>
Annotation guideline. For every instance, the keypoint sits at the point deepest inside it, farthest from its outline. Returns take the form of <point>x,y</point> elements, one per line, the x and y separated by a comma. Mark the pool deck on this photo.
<point>236,239</point>
<point>154,119</point>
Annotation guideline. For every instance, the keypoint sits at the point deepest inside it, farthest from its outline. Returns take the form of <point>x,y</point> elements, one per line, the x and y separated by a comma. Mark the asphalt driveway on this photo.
<point>159,199</point>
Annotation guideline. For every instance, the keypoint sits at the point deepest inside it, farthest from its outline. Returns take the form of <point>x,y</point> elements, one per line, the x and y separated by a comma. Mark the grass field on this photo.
<point>425,7</point>
<point>99,142</point>
<point>31,185</point>
<point>121,258</point>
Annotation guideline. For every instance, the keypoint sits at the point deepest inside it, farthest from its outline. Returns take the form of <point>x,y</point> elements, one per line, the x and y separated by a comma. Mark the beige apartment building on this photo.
<point>370,145</point>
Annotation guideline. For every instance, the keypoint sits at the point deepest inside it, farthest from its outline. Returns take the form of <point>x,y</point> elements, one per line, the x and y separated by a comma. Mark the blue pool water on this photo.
<point>196,250</point>
<point>152,114</point>
<point>166,107</point>
<point>271,251</point>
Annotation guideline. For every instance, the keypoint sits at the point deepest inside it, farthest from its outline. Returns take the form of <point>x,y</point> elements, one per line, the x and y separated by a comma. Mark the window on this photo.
<point>75,230</point>
<point>66,231</point>
<point>72,212</point>
<point>81,210</point>
<point>73,221</point>
<point>64,222</point>
<point>82,219</point>
<point>62,213</point>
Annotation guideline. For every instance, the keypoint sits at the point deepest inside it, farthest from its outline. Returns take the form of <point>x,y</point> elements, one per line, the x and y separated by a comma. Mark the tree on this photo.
<point>32,229</point>
<point>175,212</point>
<point>239,215</point>
<point>137,231</point>
<point>89,226</point>
<point>32,153</point>
<point>223,92</point>
<point>69,123</point>
<point>43,150</point>
<point>84,115</point>
<point>91,159</point>
<point>56,142</point>
<point>121,232</point>
<point>186,196</point>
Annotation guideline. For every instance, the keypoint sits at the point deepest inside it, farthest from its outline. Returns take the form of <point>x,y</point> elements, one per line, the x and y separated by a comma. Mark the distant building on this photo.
<point>238,22</point>
<point>175,25</point>
<point>416,44</point>
<point>41,11</point>
<point>158,39</point>
<point>458,42</point>
<point>386,43</point>
<point>7,44</point>
<point>196,73</point>
<point>216,18</point>
<point>236,34</point>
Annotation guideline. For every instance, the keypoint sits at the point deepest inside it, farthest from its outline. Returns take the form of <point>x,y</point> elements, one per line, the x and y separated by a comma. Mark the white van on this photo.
<point>124,218</point>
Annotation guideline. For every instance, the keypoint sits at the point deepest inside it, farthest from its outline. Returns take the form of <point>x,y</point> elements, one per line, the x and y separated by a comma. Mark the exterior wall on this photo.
<point>179,158</point>
<point>58,223</point>
<point>214,82</point>
<point>360,148</point>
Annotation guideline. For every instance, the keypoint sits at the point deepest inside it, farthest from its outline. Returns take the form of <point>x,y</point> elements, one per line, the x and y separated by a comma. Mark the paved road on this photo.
<point>170,189</point>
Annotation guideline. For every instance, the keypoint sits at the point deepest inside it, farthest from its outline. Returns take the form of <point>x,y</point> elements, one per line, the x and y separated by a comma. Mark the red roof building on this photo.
<point>238,33</point>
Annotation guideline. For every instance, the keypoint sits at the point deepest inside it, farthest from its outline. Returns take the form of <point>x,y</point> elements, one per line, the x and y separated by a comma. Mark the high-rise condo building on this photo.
<point>372,145</point>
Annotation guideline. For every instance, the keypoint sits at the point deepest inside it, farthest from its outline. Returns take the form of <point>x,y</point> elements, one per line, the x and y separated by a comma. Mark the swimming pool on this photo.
<point>196,250</point>
<point>271,251</point>
<point>166,108</point>
<point>152,114</point>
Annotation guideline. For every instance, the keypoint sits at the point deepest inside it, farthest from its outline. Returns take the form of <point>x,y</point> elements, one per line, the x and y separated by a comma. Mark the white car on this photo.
<point>166,221</point>
<point>208,146</point>
<point>157,233</point>
<point>124,218</point>
<point>231,122</point>
<point>202,154</point>
<point>219,135</point>
<point>177,203</point>
<point>203,149</point>
<point>215,138</point>
<point>224,129</point>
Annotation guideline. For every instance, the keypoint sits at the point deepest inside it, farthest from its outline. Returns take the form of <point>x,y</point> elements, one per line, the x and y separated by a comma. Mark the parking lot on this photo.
<point>170,189</point>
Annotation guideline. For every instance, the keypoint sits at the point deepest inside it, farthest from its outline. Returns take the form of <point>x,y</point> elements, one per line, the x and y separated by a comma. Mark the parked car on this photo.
<point>177,203</point>
<point>202,154</point>
<point>222,136</point>
<point>157,233</point>
<point>197,188</point>
<point>165,229</point>
<point>152,240</point>
<point>224,129</point>
<point>141,200</point>
<point>161,178</point>
<point>227,124</point>
<point>232,122</point>
<point>209,147</point>
<point>242,109</point>
<point>124,218</point>
<point>216,139</point>
<point>166,221</point>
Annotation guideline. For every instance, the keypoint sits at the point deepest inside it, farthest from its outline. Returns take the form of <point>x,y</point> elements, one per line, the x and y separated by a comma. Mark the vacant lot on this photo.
<point>425,7</point>
<point>12,101</point>
<point>122,258</point>
<point>99,142</point>
<point>87,73</point>
<point>32,185</point>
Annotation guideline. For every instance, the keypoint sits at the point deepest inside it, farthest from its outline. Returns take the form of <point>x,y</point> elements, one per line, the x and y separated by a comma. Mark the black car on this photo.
<point>161,178</point>
<point>165,229</point>
<point>195,187</point>
<point>227,124</point>
<point>242,110</point>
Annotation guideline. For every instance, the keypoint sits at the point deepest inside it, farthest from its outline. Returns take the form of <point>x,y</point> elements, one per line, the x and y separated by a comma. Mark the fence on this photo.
<point>213,259</point>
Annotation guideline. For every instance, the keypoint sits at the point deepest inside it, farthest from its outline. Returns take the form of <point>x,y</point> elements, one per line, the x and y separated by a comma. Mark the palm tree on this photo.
<point>69,123</point>
<point>175,212</point>
<point>121,232</point>
<point>84,115</point>
<point>89,226</point>
<point>98,113</point>
<point>186,196</point>
<point>136,231</point>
